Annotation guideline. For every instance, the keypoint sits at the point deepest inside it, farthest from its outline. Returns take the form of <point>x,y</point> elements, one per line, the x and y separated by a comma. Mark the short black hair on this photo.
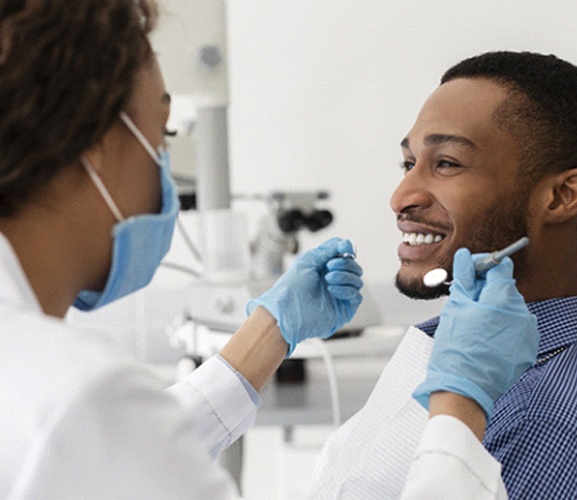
<point>540,110</point>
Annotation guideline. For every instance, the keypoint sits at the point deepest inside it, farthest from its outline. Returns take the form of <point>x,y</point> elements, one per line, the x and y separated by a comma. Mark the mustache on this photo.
<point>441,227</point>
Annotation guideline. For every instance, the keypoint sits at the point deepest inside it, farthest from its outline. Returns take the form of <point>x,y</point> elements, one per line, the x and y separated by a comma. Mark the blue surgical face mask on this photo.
<point>139,242</point>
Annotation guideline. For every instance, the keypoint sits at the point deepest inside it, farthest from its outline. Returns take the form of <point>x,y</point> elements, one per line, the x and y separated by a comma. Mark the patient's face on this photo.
<point>461,185</point>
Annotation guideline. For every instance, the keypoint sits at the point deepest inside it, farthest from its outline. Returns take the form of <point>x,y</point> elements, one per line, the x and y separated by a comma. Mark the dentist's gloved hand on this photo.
<point>317,295</point>
<point>486,336</point>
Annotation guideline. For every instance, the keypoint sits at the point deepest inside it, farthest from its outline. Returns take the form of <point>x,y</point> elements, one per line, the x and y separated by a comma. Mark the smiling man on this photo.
<point>491,157</point>
<point>463,184</point>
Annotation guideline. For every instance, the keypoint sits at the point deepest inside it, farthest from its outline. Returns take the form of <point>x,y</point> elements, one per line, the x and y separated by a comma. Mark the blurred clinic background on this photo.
<point>288,118</point>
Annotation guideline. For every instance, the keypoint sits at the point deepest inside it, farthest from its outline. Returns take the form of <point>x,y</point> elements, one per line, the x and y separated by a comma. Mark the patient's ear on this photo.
<point>560,197</point>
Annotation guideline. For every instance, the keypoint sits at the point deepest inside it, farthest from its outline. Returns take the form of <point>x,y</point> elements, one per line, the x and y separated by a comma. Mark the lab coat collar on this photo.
<point>15,286</point>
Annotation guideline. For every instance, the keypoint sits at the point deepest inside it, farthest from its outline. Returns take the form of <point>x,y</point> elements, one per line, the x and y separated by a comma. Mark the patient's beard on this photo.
<point>502,226</point>
<point>416,289</point>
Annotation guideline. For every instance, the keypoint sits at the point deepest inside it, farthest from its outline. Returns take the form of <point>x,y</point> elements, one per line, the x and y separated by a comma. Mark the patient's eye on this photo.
<point>407,165</point>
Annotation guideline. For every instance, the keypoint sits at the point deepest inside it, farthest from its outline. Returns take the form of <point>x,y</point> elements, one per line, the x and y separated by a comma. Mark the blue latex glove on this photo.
<point>317,295</point>
<point>486,336</point>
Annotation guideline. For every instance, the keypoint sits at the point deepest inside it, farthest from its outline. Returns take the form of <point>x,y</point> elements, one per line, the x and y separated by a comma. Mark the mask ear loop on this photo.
<point>102,189</point>
<point>140,136</point>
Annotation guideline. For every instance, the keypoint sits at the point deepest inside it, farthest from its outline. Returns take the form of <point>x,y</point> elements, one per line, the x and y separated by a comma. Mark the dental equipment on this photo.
<point>438,276</point>
<point>349,255</point>
<point>290,213</point>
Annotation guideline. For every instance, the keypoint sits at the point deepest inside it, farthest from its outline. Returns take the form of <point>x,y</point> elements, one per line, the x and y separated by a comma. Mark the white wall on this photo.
<point>322,92</point>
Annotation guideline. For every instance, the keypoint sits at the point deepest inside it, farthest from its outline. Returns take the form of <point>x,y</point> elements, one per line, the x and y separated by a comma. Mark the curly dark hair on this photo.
<point>67,69</point>
<point>540,111</point>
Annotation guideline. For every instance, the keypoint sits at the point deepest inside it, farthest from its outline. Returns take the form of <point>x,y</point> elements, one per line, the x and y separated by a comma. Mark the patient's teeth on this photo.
<point>421,238</point>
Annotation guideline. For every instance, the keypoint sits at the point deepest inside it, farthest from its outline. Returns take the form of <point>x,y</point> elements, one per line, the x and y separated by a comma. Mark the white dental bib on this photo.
<point>370,455</point>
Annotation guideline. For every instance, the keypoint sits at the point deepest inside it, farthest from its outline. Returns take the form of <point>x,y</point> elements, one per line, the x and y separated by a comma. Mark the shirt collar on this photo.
<point>556,321</point>
<point>15,286</point>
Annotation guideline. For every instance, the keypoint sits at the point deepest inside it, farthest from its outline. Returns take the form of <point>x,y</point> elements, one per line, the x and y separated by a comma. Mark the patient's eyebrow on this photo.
<point>437,139</point>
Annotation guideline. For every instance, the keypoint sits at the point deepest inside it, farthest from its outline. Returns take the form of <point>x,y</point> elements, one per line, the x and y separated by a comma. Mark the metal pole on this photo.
<point>213,180</point>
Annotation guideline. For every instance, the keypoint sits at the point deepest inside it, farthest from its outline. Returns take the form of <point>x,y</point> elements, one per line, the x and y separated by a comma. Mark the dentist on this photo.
<point>87,211</point>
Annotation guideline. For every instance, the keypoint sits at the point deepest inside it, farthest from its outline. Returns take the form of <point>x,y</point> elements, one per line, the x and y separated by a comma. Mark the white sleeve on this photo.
<point>451,463</point>
<point>218,404</point>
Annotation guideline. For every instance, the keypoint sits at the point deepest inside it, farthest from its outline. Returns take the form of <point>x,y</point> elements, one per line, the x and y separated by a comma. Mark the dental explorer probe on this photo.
<point>436,277</point>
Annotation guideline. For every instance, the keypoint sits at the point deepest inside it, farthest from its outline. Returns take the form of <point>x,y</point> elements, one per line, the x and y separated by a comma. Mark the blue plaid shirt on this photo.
<point>533,431</point>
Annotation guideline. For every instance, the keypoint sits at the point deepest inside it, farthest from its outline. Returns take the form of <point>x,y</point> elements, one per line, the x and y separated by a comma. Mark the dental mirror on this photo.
<point>435,277</point>
<point>438,276</point>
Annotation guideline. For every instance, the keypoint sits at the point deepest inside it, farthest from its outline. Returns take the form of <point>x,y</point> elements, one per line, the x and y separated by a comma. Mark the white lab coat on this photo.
<point>79,420</point>
<point>451,464</point>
